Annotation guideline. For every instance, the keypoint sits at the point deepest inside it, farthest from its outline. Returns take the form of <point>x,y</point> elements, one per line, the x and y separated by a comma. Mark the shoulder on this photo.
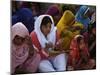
<point>33,35</point>
<point>35,40</point>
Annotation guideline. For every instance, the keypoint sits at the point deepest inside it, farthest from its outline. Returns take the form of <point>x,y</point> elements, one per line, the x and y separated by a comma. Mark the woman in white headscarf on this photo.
<point>45,37</point>
<point>24,58</point>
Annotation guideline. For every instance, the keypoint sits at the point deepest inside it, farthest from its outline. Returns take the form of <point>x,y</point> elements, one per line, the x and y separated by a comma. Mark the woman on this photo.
<point>68,28</point>
<point>45,37</point>
<point>79,58</point>
<point>82,16</point>
<point>23,55</point>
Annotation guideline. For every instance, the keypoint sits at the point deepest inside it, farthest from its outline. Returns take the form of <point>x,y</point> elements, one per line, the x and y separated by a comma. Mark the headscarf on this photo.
<point>18,53</point>
<point>25,16</point>
<point>53,10</point>
<point>31,64</point>
<point>64,28</point>
<point>74,53</point>
<point>66,20</point>
<point>80,15</point>
<point>51,37</point>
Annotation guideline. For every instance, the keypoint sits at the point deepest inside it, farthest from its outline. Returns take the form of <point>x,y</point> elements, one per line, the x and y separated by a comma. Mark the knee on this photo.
<point>43,62</point>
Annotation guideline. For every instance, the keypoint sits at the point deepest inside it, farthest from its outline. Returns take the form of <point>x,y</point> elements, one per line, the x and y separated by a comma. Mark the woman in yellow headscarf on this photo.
<point>68,28</point>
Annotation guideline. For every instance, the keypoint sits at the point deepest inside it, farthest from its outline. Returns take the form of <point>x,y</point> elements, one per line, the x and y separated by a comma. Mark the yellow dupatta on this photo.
<point>64,25</point>
<point>65,20</point>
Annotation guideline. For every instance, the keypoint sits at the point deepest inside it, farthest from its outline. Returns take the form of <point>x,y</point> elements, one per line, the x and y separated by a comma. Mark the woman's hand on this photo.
<point>58,45</point>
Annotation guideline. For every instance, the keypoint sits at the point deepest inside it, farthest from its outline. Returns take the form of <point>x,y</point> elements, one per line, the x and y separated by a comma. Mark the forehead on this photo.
<point>82,40</point>
<point>18,37</point>
<point>47,25</point>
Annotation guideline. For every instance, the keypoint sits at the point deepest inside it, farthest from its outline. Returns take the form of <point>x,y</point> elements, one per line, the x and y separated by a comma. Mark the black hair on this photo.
<point>46,20</point>
<point>79,39</point>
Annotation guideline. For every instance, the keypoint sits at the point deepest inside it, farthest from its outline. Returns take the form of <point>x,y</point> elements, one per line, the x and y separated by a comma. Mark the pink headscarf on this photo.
<point>18,53</point>
<point>31,65</point>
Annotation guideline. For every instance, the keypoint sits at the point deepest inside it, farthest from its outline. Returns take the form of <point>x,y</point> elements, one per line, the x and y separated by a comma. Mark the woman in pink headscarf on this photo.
<point>24,58</point>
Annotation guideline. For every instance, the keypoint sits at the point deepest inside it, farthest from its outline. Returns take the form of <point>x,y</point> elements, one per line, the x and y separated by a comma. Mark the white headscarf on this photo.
<point>51,37</point>
<point>78,36</point>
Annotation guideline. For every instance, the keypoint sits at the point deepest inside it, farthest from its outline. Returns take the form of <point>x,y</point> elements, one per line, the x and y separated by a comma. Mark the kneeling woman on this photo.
<point>45,37</point>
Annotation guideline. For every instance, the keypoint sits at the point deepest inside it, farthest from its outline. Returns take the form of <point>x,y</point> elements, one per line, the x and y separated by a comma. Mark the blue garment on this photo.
<point>80,16</point>
<point>25,16</point>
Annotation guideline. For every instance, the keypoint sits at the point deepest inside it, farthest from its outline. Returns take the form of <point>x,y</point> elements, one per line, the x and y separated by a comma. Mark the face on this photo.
<point>46,29</point>
<point>18,40</point>
<point>81,44</point>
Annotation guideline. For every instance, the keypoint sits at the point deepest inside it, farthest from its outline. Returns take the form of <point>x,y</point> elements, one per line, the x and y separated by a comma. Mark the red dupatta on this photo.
<point>74,55</point>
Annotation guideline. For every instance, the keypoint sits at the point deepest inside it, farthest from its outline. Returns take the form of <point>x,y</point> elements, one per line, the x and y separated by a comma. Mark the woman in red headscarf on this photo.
<point>79,58</point>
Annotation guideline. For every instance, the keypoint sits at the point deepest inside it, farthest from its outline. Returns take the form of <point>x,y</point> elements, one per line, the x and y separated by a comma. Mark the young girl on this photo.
<point>45,37</point>
<point>79,58</point>
<point>23,55</point>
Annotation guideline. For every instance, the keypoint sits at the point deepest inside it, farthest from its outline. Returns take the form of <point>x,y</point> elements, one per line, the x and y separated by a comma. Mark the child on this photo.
<point>45,37</point>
